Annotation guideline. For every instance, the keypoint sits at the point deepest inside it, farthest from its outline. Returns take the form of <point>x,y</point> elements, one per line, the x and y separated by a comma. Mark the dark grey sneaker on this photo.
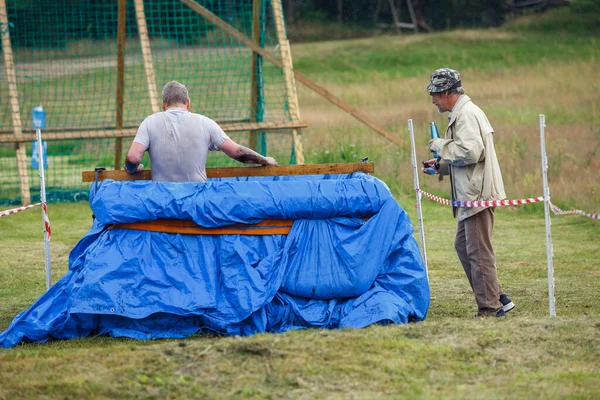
<point>498,314</point>
<point>507,304</point>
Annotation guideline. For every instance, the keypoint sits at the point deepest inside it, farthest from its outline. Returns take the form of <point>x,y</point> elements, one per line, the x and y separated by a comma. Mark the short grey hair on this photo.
<point>458,90</point>
<point>175,93</point>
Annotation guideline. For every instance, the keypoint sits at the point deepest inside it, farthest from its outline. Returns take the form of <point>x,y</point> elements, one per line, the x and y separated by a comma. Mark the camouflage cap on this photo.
<point>442,79</point>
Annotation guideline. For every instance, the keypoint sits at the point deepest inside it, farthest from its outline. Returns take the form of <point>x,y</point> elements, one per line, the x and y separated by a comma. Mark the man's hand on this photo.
<point>270,161</point>
<point>435,145</point>
<point>133,160</point>
<point>431,167</point>
<point>133,169</point>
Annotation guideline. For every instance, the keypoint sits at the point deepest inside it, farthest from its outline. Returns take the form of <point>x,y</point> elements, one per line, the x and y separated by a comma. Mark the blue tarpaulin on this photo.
<point>349,261</point>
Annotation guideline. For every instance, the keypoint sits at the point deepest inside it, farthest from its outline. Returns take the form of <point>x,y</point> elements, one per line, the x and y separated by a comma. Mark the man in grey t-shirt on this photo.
<point>178,141</point>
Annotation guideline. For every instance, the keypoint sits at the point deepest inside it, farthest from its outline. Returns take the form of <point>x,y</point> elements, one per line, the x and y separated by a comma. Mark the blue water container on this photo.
<point>39,117</point>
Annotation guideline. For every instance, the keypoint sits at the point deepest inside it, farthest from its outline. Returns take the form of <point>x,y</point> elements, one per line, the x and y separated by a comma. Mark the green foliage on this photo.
<point>358,61</point>
<point>583,7</point>
<point>343,153</point>
<point>581,18</point>
<point>441,14</point>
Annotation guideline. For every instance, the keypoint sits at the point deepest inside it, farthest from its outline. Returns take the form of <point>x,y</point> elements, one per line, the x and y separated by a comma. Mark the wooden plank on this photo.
<point>130,132</point>
<point>147,55</point>
<point>121,30</point>
<point>256,69</point>
<point>528,3</point>
<point>267,227</point>
<point>348,108</point>
<point>395,15</point>
<point>206,231</point>
<point>413,17</point>
<point>299,77</point>
<point>399,25</point>
<point>227,125</point>
<point>191,224</point>
<point>288,73</point>
<point>405,25</point>
<point>228,172</point>
<point>376,12</point>
<point>13,93</point>
<point>117,175</point>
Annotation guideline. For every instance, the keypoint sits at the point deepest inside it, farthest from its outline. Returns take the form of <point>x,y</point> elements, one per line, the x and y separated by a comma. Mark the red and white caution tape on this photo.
<point>46,220</point>
<point>44,213</point>
<point>18,209</point>
<point>499,203</point>
<point>558,211</point>
<point>492,203</point>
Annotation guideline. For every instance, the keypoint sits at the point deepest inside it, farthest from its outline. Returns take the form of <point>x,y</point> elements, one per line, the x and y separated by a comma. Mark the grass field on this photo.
<point>527,355</point>
<point>514,74</point>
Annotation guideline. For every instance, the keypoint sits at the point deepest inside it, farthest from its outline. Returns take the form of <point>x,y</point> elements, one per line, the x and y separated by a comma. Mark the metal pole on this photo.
<point>549,248</point>
<point>418,194</point>
<point>45,220</point>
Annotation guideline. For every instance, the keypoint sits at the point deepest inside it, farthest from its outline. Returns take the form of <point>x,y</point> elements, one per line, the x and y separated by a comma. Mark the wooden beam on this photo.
<point>121,30</point>
<point>229,172</point>
<point>299,77</point>
<point>376,13</point>
<point>13,93</point>
<point>267,227</point>
<point>147,55</point>
<point>395,15</point>
<point>130,132</point>
<point>117,175</point>
<point>398,25</point>
<point>256,88</point>
<point>288,73</point>
<point>413,17</point>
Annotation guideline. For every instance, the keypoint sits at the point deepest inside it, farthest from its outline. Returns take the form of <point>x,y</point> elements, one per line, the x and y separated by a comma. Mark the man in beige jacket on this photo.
<point>468,156</point>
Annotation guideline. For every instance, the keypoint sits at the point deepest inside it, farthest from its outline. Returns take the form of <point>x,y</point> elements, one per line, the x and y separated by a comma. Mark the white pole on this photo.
<point>418,193</point>
<point>45,220</point>
<point>549,248</point>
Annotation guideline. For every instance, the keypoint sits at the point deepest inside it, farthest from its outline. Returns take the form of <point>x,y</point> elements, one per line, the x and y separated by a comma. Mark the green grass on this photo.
<point>527,355</point>
<point>489,50</point>
<point>515,73</point>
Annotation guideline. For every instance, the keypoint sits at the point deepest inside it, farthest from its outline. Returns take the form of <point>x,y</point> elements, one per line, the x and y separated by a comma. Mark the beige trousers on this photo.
<point>473,245</point>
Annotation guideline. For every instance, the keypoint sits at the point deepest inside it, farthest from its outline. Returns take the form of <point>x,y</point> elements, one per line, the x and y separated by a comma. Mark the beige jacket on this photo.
<point>469,157</point>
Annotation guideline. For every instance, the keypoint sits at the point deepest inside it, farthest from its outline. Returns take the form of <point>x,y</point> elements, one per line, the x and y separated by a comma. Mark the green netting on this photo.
<point>65,59</point>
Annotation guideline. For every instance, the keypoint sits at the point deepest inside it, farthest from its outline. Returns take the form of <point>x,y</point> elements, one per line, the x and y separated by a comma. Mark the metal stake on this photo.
<point>549,248</point>
<point>45,220</point>
<point>419,195</point>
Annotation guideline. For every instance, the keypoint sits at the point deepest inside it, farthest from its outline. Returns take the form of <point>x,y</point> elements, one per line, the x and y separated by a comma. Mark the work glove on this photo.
<point>431,167</point>
<point>131,171</point>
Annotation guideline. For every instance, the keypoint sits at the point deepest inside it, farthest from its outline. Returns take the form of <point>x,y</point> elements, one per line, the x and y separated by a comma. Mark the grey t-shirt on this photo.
<point>178,142</point>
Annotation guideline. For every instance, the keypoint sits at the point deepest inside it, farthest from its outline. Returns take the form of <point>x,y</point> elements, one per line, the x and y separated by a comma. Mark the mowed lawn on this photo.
<point>513,74</point>
<point>526,355</point>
